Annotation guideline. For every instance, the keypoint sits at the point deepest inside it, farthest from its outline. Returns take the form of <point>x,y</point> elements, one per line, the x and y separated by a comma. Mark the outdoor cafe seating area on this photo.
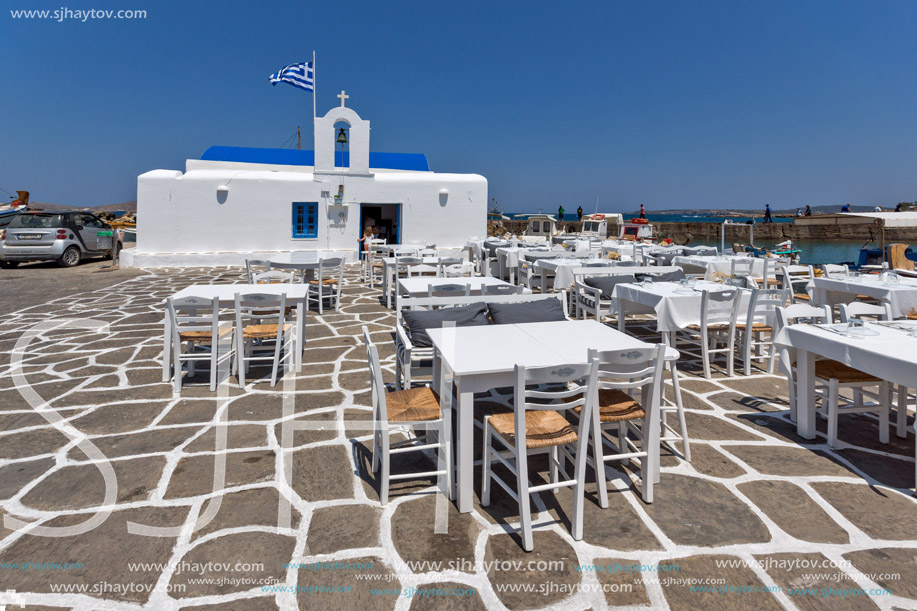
<point>589,341</point>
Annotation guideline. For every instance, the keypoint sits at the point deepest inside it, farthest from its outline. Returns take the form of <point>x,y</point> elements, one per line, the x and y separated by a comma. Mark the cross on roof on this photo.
<point>343,97</point>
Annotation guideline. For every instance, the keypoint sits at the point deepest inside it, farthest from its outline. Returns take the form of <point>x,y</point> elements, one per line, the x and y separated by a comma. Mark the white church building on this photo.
<point>237,203</point>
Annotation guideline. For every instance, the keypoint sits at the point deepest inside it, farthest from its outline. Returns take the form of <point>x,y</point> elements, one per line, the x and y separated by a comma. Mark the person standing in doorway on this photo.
<point>560,213</point>
<point>642,212</point>
<point>767,214</point>
<point>579,213</point>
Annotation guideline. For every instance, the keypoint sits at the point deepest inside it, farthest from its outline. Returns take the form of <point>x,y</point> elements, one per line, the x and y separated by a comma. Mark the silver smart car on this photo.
<point>65,237</point>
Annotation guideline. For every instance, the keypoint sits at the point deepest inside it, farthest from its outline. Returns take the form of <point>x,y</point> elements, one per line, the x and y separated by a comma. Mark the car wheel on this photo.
<point>70,258</point>
<point>9,264</point>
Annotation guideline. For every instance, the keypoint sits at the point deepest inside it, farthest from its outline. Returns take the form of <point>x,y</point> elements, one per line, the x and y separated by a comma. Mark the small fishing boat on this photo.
<point>9,211</point>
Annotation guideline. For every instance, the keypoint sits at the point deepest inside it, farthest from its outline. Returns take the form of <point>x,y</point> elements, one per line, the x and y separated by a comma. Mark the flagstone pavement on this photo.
<point>759,519</point>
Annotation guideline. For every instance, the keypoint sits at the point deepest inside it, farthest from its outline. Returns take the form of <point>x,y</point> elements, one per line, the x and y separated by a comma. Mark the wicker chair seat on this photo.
<point>412,405</point>
<point>833,370</point>
<point>262,331</point>
<point>203,337</point>
<point>543,428</point>
<point>617,406</point>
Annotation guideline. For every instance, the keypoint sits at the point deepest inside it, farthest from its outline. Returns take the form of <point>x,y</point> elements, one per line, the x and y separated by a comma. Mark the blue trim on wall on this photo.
<point>384,161</point>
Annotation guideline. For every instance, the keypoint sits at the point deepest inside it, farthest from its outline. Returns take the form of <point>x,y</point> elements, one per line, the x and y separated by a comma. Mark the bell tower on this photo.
<point>358,141</point>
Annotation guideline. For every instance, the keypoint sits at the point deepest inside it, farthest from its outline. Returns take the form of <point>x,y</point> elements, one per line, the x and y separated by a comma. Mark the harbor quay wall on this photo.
<point>739,233</point>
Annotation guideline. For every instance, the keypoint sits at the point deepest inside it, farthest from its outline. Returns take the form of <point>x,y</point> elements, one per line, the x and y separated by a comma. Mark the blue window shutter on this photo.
<point>305,220</point>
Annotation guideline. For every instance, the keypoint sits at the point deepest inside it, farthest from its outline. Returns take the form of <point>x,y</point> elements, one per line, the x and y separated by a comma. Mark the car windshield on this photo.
<point>36,221</point>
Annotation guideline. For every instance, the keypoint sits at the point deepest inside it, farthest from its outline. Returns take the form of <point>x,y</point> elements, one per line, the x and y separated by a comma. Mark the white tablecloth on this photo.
<point>564,269</point>
<point>888,356</point>
<point>719,265</point>
<point>674,309</point>
<point>902,296</point>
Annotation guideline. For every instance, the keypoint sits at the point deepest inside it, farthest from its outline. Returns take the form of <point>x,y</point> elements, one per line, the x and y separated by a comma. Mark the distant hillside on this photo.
<point>126,206</point>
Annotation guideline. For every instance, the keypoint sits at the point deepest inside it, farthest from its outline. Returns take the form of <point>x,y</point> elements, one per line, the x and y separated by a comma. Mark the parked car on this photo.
<point>65,237</point>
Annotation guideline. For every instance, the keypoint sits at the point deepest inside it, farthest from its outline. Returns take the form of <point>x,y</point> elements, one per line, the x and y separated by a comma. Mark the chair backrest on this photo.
<point>834,270</point>
<point>797,277</point>
<point>273,276</point>
<point>897,258</point>
<point>802,312</point>
<point>501,289</point>
<point>632,370</point>
<point>380,410</point>
<point>549,388</point>
<point>448,290</point>
<point>718,307</point>
<point>858,309</point>
<point>251,266</point>
<point>260,309</point>
<point>763,303</point>
<point>330,268</point>
<point>193,314</point>
<point>742,266</point>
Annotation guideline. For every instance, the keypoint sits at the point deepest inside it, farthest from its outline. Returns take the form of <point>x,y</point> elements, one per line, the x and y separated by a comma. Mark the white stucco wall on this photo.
<point>182,213</point>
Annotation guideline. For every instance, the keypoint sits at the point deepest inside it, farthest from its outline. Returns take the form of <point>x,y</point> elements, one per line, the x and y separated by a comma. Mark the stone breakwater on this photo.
<point>739,233</point>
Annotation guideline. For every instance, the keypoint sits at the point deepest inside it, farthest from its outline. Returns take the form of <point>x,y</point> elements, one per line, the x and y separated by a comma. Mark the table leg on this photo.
<point>300,344</point>
<point>464,445</point>
<point>386,285</point>
<point>621,303</point>
<point>166,349</point>
<point>805,394</point>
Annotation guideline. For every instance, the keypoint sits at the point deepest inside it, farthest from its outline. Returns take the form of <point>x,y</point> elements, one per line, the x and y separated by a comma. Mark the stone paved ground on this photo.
<point>755,496</point>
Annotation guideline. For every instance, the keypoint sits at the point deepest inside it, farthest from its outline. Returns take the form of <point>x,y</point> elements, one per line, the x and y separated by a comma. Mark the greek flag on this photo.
<point>299,75</point>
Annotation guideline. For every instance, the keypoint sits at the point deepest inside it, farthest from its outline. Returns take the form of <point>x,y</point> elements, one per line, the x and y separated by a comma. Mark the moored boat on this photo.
<point>9,211</point>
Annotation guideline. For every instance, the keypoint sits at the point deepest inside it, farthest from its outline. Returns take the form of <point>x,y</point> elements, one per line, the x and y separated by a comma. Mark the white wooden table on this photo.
<point>888,356</point>
<point>564,270</point>
<point>226,293</point>
<point>418,286</point>
<point>719,264</point>
<point>481,358</point>
<point>902,296</point>
<point>389,270</point>
<point>302,260</point>
<point>675,308</point>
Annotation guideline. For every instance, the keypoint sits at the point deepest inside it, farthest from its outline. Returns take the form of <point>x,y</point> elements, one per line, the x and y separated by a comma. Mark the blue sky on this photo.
<point>670,104</point>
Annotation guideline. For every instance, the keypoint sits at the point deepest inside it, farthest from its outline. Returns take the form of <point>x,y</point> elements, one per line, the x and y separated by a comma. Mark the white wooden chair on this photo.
<point>273,276</point>
<point>537,428</point>
<point>757,322</point>
<point>717,326</point>
<point>797,278</point>
<point>831,376</point>
<point>195,324</point>
<point>263,333</point>
<point>628,392</point>
<point>329,278</point>
<point>501,289</point>
<point>454,267</point>
<point>254,266</point>
<point>372,260</point>
<point>860,310</point>
<point>835,271</point>
<point>448,290</point>
<point>405,409</point>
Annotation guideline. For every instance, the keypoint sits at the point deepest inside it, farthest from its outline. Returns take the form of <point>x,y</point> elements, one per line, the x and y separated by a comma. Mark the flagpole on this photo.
<point>313,91</point>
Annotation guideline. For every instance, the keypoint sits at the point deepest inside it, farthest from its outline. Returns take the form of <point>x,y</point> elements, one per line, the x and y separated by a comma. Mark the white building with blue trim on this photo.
<point>237,203</point>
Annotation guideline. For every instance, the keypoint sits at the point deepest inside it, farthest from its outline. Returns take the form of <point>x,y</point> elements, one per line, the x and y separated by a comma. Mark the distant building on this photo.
<point>236,203</point>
